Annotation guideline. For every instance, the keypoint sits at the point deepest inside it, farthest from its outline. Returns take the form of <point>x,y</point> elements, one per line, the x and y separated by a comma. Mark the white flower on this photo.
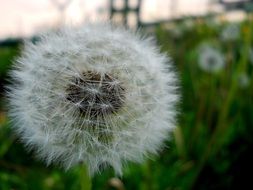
<point>230,32</point>
<point>97,94</point>
<point>210,59</point>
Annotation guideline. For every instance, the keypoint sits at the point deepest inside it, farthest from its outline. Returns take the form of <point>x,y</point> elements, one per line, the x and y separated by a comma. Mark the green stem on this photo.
<point>147,174</point>
<point>211,98</point>
<point>212,146</point>
<point>85,180</point>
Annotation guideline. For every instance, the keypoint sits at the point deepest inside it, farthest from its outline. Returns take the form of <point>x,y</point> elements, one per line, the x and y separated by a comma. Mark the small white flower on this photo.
<point>97,94</point>
<point>210,59</point>
<point>230,32</point>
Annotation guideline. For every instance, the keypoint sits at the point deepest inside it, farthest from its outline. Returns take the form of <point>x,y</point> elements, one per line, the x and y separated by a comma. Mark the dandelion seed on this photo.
<point>230,32</point>
<point>210,59</point>
<point>251,55</point>
<point>97,94</point>
<point>243,80</point>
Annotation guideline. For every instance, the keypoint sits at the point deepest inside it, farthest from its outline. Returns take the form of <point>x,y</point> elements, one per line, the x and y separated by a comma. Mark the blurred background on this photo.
<point>211,44</point>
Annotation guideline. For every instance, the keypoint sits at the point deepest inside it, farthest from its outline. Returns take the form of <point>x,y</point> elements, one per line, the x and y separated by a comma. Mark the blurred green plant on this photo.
<point>6,55</point>
<point>211,148</point>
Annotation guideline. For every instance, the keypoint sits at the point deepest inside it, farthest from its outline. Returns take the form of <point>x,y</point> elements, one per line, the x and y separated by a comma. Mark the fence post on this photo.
<point>125,11</point>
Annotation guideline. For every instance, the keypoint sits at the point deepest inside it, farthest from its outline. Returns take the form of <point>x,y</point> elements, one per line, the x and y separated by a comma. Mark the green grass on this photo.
<point>6,56</point>
<point>210,149</point>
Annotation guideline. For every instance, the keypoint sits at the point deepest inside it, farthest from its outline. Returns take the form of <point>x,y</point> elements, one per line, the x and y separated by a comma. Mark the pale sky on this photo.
<point>25,17</point>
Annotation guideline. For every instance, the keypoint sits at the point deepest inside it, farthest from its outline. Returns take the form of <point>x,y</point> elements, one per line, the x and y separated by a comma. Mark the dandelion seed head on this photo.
<point>230,33</point>
<point>251,55</point>
<point>243,80</point>
<point>210,59</point>
<point>97,94</point>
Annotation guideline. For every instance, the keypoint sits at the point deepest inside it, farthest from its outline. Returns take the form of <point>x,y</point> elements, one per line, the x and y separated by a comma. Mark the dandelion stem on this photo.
<point>213,146</point>
<point>85,180</point>
<point>147,171</point>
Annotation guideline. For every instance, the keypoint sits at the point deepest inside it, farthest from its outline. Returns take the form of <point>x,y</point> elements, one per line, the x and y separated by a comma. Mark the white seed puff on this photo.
<point>210,59</point>
<point>97,94</point>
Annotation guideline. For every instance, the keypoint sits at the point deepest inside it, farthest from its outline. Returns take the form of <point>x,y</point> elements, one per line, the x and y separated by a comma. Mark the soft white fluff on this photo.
<point>50,124</point>
<point>230,32</point>
<point>210,59</point>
